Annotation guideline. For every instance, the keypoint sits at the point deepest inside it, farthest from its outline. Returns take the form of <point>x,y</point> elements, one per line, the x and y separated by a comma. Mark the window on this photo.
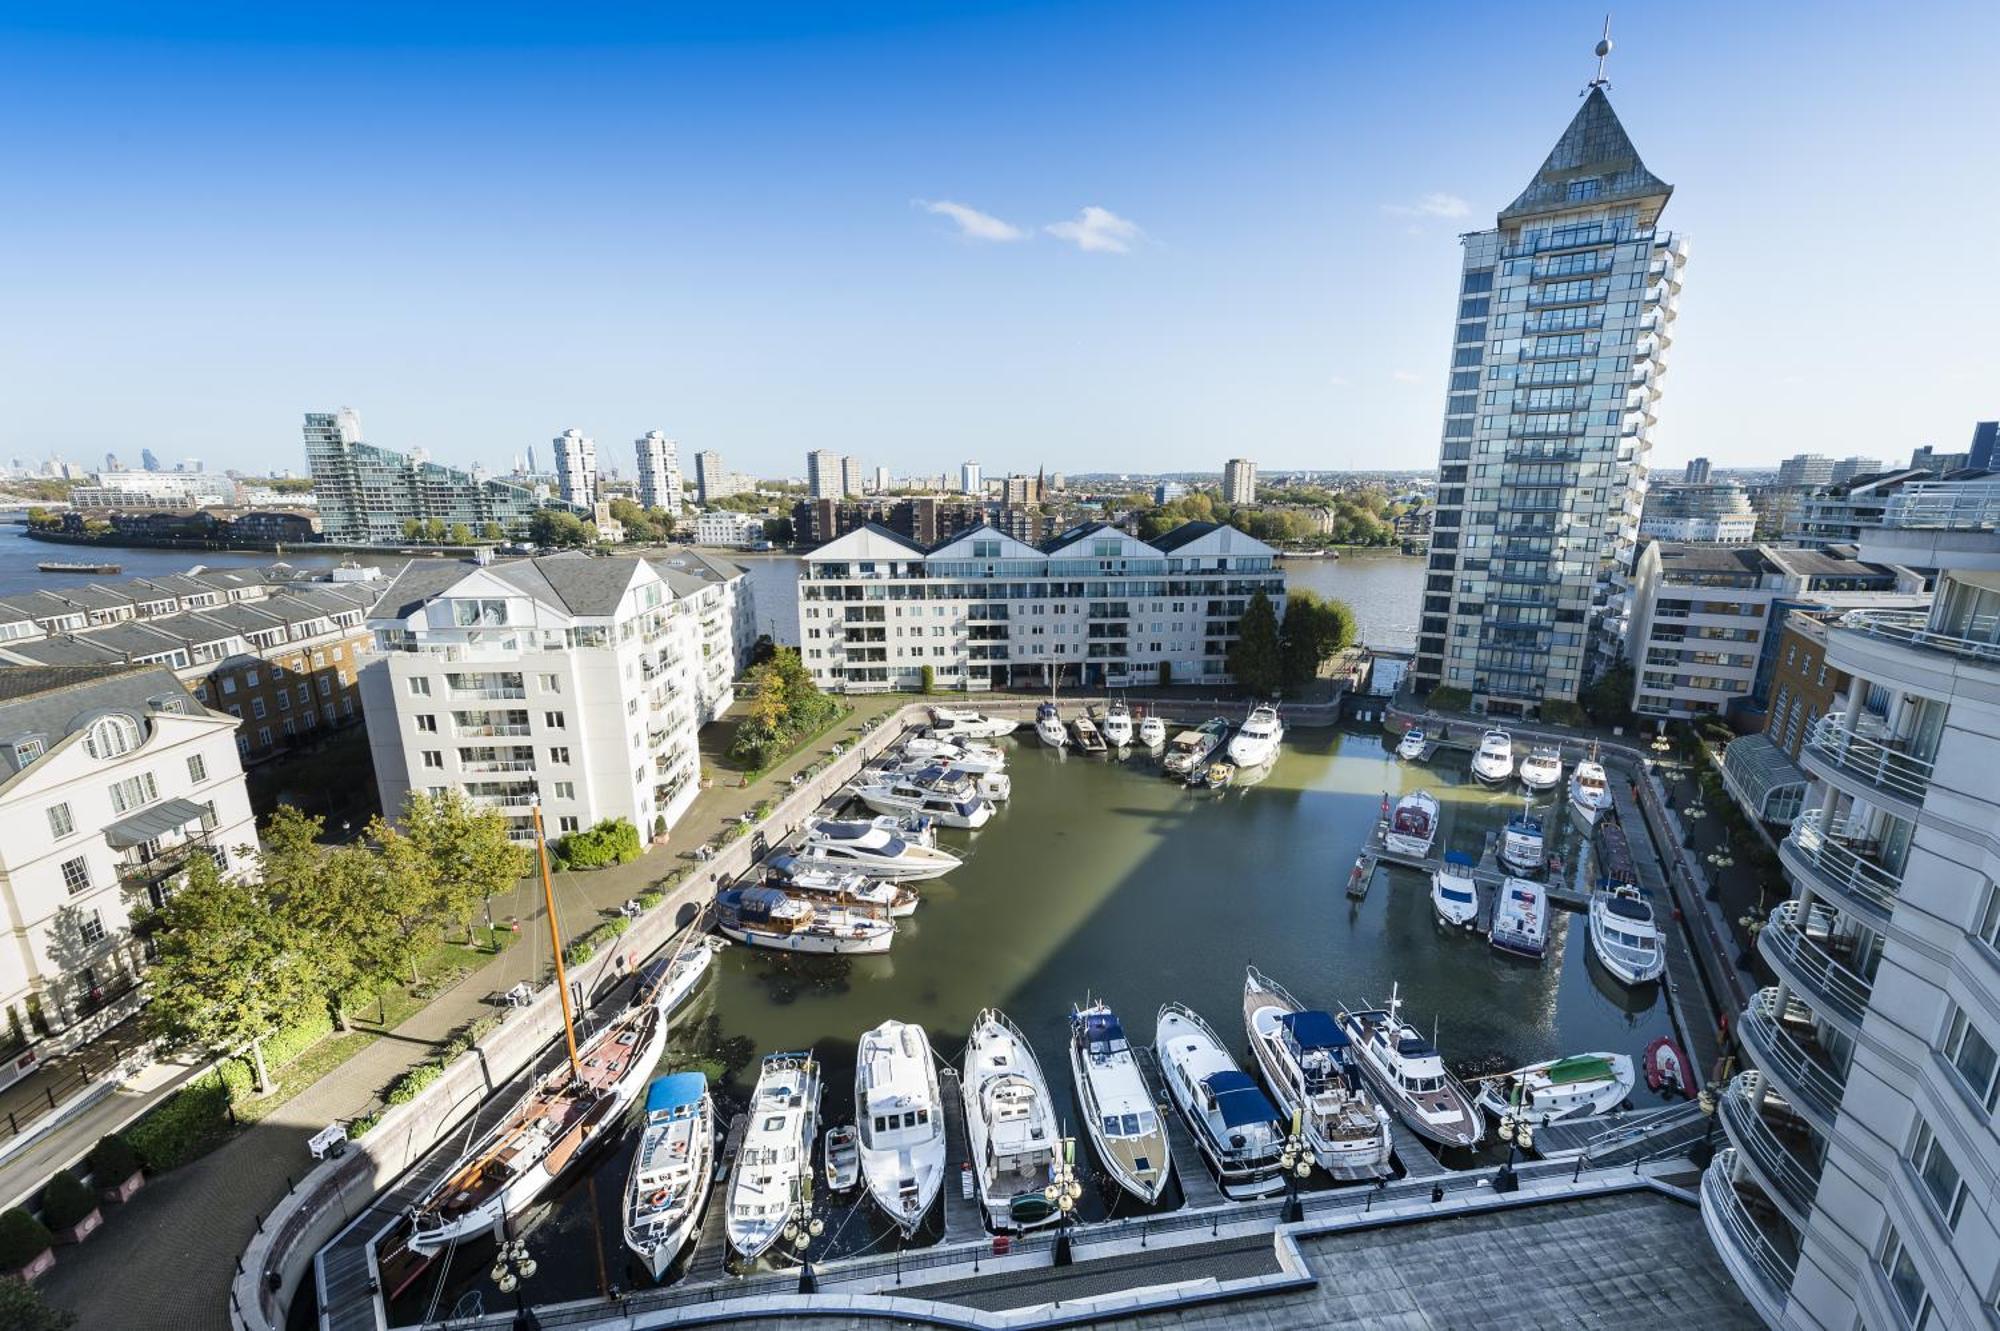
<point>565,790</point>
<point>1988,927</point>
<point>197,768</point>
<point>257,708</point>
<point>433,758</point>
<point>559,756</point>
<point>568,823</point>
<point>1977,1065</point>
<point>60,822</point>
<point>263,737</point>
<point>552,683</point>
<point>250,679</point>
<point>110,736</point>
<point>326,686</point>
<point>76,875</point>
<point>208,819</point>
<point>284,702</point>
<point>305,692</point>
<point>134,792</point>
<point>553,720</point>
<point>1905,1282</point>
<point>420,686</point>
<point>228,685</point>
<point>1939,1175</point>
<point>1586,188</point>
<point>478,614</point>
<point>427,725</point>
<point>91,927</point>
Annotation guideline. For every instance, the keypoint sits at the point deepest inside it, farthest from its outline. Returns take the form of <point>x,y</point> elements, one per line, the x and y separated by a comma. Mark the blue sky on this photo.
<point>1202,230</point>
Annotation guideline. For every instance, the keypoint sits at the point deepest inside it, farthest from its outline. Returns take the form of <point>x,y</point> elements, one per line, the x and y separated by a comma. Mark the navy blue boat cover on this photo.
<point>1238,1098</point>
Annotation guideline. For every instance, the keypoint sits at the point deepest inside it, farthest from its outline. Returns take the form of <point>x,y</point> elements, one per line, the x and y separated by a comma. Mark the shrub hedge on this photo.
<point>65,1201</point>
<point>112,1161</point>
<point>22,1239</point>
<point>613,841</point>
<point>184,1126</point>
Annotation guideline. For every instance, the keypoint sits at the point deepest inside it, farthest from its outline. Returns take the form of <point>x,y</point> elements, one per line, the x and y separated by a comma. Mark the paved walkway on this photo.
<point>175,1245</point>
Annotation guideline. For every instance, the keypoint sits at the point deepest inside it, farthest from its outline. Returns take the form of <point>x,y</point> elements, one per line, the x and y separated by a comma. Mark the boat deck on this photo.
<point>1198,1185</point>
<point>962,1214</point>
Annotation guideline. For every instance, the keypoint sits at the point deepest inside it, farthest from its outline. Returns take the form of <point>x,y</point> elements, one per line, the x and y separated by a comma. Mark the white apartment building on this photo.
<point>110,777</point>
<point>1239,481</point>
<point>825,474</point>
<point>739,531</point>
<point>850,477</point>
<point>659,460</point>
<point>1861,1184</point>
<point>154,489</point>
<point>1094,607</point>
<point>711,482</point>
<point>969,481</point>
<point>1708,513</point>
<point>579,676</point>
<point>576,467</point>
<point>720,595</point>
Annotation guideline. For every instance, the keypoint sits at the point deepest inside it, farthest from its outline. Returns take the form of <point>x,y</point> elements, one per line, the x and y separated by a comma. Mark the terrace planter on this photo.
<point>33,1270</point>
<point>82,1229</point>
<point>122,1192</point>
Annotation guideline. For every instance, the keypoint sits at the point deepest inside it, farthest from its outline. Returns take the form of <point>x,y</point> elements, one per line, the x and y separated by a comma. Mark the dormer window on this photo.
<point>26,751</point>
<point>111,737</point>
<point>479,614</point>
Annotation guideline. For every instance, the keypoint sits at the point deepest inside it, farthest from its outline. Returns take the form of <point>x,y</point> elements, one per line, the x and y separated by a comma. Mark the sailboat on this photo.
<point>564,1112</point>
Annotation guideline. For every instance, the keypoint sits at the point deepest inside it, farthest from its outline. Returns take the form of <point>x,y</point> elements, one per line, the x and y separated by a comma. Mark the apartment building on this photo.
<point>721,596</point>
<point>1860,1180</point>
<point>1711,512</point>
<point>576,678</point>
<point>1094,607</point>
<point>825,475</point>
<point>576,467</point>
<point>367,493</point>
<point>111,776</point>
<point>659,463</point>
<point>1838,514</point>
<point>1239,481</point>
<point>720,526</point>
<point>711,481</point>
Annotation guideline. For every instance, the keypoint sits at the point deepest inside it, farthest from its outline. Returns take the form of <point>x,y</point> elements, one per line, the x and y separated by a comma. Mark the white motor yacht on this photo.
<point>1307,1061</point>
<point>1411,746</point>
<point>1010,1124</point>
<point>1521,918</point>
<point>1413,827</point>
<point>1542,769</point>
<point>1049,726</point>
<point>950,801</point>
<point>900,1120</point>
<point>876,847</point>
<point>1189,752</point>
<point>1625,936</point>
<point>1152,732</point>
<point>1117,725</point>
<point>793,922</point>
<point>1589,790</point>
<point>1494,761</point>
<point>776,1156</point>
<point>673,980</point>
<point>989,785</point>
<point>1521,844</point>
<point>1454,891</point>
<point>964,723</point>
<point>667,1187</point>
<point>1580,1086</point>
<point>969,756</point>
<point>1234,1123</point>
<point>1409,1074</point>
<point>1256,740</point>
<point>897,900</point>
<point>1116,1107</point>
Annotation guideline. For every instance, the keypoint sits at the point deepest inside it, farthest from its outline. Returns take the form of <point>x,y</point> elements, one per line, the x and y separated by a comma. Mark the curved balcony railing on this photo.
<point>1762,1269</point>
<point>1911,629</point>
<point>1880,765</point>
<point>1791,1182</point>
<point>1841,856</point>
<point>1805,949</point>
<point>1806,1078</point>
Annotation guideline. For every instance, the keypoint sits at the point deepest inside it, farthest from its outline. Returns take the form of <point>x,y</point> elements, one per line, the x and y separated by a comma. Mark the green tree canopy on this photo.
<point>784,703</point>
<point>1314,630</point>
<point>1253,657</point>
<point>563,530</point>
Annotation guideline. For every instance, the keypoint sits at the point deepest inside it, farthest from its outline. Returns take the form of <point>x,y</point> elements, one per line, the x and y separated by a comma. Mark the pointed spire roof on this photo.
<point>1594,147</point>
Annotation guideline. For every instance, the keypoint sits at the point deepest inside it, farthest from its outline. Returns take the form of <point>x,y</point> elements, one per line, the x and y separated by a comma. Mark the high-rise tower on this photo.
<point>576,467</point>
<point>659,460</point>
<point>1563,319</point>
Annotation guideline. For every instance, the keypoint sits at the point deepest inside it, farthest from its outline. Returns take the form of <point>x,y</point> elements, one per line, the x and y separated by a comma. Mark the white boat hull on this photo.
<point>1152,732</point>
<point>1414,847</point>
<point>1492,772</point>
<point>809,943</point>
<point>1253,752</point>
<point>1124,1178</point>
<point>1602,1100</point>
<point>903,869</point>
<point>1052,734</point>
<point>943,817</point>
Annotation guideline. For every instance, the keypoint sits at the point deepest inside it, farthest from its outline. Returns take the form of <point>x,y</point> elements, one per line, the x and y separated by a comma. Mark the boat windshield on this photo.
<point>1458,894</point>
<point>1142,1124</point>
<point>1625,940</point>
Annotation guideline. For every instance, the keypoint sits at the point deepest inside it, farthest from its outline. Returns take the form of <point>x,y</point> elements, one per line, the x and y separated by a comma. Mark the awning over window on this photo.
<point>157,820</point>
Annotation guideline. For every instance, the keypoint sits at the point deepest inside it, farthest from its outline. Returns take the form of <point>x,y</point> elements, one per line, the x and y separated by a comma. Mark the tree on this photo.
<point>1253,657</point>
<point>779,531</point>
<point>22,1308</point>
<point>784,704</point>
<point>469,856</point>
<point>434,530</point>
<point>927,678</point>
<point>461,534</point>
<point>554,527</point>
<point>226,976</point>
<point>411,921</point>
<point>492,532</point>
<point>413,529</point>
<point>324,914</point>
<point>1313,632</point>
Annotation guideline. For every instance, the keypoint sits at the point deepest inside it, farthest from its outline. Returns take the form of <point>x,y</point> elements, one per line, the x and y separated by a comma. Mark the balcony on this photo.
<point>1788,1051</point>
<point>483,766</point>
<point>1808,952</point>
<point>488,693</point>
<point>1761,1266</point>
<point>1774,1142</point>
<point>483,730</point>
<point>142,868</point>
<point>1843,862</point>
<point>1878,763</point>
<point>1910,628</point>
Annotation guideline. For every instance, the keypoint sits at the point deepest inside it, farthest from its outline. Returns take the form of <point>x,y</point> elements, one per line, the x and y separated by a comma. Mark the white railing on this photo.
<point>1872,760</point>
<point>1831,853</point>
<point>1945,506</point>
<point>1911,629</point>
<point>1832,983</point>
<point>1730,1220</point>
<point>1781,1054</point>
<point>1754,1137</point>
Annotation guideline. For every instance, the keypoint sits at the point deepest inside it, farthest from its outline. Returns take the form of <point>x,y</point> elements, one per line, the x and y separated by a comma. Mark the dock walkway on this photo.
<point>1487,874</point>
<point>1620,1138</point>
<point>962,1214</point>
<point>711,1246</point>
<point>1686,997</point>
<point>1418,1162</point>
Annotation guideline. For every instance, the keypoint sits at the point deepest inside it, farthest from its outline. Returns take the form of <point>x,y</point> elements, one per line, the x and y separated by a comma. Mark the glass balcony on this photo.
<point>1762,1262</point>
<point>1841,861</point>
<point>1774,1142</point>
<point>1911,628</point>
<point>1788,1051</point>
<point>1877,761</point>
<point>1809,951</point>
<point>1946,506</point>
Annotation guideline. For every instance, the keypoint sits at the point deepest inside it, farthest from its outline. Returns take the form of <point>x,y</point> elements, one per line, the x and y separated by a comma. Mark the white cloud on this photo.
<point>1097,229</point>
<point>1338,381</point>
<point>1431,205</point>
<point>1406,376</point>
<point>972,224</point>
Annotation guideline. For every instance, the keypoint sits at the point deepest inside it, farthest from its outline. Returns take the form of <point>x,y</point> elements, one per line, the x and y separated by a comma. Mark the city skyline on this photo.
<point>1162,249</point>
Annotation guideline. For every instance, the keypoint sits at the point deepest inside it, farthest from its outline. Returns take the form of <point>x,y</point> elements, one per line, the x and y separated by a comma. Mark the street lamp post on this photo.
<point>1063,1193</point>
<point>801,1229</point>
<point>1519,1134</point>
<point>512,1267</point>
<point>1296,1161</point>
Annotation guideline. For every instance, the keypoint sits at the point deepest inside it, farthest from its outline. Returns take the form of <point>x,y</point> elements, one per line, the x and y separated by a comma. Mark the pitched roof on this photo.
<point>414,585</point>
<point>1181,535</point>
<point>582,584</point>
<point>1594,146</point>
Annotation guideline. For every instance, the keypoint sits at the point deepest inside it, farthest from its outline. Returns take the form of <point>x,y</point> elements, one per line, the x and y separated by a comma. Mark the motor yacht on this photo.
<point>894,899</point>
<point>1152,732</point>
<point>1455,892</point>
<point>1087,736</point>
<point>1542,769</point>
<point>969,756</point>
<point>949,801</point>
<point>1409,1075</point>
<point>1256,740</point>
<point>900,1121</point>
<point>988,785</point>
<point>1411,746</point>
<point>1234,1123</point>
<point>1493,763</point>
<point>964,723</point>
<point>1625,936</point>
<point>1116,1107</point>
<point>776,1156</point>
<point>1521,918</point>
<point>1049,726</point>
<point>675,978</point>
<point>1521,844</point>
<point>1308,1063</point>
<point>1010,1124</point>
<point>877,847</point>
<point>1589,790</point>
<point>667,1186</point>
<point>794,922</point>
<point>1117,725</point>
<point>1413,826</point>
<point>1188,753</point>
<point>1580,1086</point>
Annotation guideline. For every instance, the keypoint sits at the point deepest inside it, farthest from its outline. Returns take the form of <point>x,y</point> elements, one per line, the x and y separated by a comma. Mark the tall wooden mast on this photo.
<point>555,938</point>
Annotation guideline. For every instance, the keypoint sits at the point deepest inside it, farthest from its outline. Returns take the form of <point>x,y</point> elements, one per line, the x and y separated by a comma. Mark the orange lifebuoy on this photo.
<point>657,1198</point>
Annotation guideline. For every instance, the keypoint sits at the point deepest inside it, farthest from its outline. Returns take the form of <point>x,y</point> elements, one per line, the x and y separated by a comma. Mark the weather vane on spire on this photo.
<point>1603,50</point>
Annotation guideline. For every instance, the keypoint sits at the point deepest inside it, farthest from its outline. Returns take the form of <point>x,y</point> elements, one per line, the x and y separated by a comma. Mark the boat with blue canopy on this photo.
<point>1234,1123</point>
<point>1307,1061</point>
<point>667,1187</point>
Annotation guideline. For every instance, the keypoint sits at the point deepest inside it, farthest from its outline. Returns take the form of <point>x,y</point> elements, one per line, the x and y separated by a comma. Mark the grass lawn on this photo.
<point>303,1071</point>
